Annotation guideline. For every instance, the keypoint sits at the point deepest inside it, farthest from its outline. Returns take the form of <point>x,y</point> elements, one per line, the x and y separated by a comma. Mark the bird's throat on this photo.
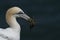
<point>12,22</point>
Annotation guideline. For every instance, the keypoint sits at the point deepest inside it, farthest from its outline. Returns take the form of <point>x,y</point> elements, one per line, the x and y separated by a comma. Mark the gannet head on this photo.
<point>18,12</point>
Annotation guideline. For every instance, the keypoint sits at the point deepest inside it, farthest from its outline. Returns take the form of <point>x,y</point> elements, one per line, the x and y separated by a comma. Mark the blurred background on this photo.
<point>46,14</point>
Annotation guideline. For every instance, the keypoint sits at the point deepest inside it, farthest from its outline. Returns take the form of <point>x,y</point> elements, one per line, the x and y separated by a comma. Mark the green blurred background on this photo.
<point>45,12</point>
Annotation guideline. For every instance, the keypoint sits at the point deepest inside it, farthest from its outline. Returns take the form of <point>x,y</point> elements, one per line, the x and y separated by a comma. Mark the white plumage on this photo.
<point>9,34</point>
<point>13,32</point>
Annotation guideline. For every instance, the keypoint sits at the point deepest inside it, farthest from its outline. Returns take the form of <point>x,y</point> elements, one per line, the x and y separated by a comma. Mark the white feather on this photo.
<point>13,32</point>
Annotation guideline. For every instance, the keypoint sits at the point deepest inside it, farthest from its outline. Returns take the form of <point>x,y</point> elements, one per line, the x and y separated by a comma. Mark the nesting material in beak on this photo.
<point>32,23</point>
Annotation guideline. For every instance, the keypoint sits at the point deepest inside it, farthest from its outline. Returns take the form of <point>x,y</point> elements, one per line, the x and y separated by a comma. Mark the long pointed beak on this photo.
<point>26,17</point>
<point>30,20</point>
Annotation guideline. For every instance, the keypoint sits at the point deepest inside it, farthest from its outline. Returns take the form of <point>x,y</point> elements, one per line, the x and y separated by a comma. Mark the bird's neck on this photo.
<point>12,22</point>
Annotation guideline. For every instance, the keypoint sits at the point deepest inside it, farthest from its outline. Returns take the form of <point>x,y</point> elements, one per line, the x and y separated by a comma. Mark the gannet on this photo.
<point>13,31</point>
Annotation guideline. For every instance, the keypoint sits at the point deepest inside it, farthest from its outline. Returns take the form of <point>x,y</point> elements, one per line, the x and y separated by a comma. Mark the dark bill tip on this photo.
<point>31,22</point>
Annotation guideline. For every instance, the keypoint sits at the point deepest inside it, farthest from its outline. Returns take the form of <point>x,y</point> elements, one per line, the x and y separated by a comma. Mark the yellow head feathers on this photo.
<point>13,10</point>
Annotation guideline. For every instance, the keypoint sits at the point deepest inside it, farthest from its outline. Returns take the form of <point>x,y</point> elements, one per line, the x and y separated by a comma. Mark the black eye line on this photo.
<point>20,13</point>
